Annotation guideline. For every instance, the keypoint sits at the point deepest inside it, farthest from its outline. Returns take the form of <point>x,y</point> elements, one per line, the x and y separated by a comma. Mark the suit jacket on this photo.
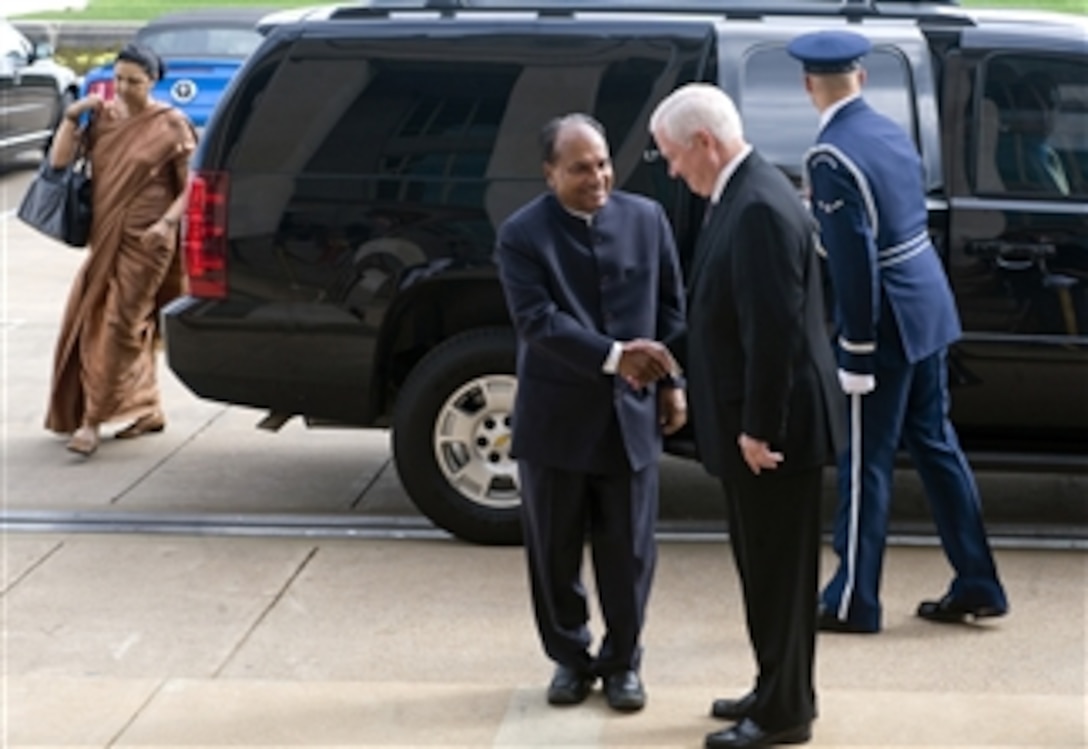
<point>892,298</point>
<point>573,288</point>
<point>759,358</point>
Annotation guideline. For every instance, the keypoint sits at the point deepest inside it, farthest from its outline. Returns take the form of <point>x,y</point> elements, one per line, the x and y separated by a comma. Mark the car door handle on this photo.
<point>1012,255</point>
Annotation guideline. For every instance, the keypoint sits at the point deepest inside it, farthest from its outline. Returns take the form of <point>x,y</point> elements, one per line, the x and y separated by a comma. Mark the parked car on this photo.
<point>202,49</point>
<point>344,204</point>
<point>34,90</point>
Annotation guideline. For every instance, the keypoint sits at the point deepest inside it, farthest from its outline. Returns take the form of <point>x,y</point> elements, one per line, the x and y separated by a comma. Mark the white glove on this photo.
<point>856,384</point>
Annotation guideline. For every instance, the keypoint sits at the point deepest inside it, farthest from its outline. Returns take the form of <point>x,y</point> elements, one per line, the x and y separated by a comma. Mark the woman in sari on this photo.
<point>104,363</point>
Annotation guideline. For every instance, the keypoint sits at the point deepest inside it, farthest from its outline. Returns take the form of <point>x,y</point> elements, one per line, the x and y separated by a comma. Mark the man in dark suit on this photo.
<point>895,318</point>
<point>593,285</point>
<point>764,402</point>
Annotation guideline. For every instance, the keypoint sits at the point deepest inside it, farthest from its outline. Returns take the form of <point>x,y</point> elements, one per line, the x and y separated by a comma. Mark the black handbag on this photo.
<point>58,202</point>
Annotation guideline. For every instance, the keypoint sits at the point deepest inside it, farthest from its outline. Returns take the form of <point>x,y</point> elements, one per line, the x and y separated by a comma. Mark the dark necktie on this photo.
<point>707,212</point>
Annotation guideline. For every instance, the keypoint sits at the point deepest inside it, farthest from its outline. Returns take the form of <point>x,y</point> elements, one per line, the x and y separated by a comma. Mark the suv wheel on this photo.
<point>451,437</point>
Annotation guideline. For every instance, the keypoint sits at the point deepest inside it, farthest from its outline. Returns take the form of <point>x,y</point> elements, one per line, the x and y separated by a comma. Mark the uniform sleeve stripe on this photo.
<point>853,347</point>
<point>920,238</point>
<point>904,250</point>
<point>903,256</point>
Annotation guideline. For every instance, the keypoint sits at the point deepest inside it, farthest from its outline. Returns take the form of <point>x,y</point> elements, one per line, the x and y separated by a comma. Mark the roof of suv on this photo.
<point>1013,29</point>
<point>983,27</point>
<point>944,9</point>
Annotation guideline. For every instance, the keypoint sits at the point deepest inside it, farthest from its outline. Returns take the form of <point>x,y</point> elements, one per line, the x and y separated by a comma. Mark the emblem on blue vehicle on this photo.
<point>184,91</point>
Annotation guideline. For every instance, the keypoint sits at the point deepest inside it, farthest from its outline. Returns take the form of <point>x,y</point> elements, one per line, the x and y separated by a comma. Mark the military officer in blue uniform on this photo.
<point>895,318</point>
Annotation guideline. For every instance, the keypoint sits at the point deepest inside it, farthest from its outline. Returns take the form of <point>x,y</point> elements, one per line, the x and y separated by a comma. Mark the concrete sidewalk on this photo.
<point>187,641</point>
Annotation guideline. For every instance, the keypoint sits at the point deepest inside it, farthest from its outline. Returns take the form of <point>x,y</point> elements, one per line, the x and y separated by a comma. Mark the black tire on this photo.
<point>451,437</point>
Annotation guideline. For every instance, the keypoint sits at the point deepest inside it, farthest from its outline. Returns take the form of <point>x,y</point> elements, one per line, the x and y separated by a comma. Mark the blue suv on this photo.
<point>202,50</point>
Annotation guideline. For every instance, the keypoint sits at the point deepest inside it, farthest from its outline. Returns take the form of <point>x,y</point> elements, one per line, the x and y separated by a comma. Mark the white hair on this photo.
<point>695,107</point>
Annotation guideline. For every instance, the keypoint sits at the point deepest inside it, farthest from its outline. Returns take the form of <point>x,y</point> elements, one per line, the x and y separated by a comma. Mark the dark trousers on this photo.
<point>911,402</point>
<point>774,529</point>
<point>618,511</point>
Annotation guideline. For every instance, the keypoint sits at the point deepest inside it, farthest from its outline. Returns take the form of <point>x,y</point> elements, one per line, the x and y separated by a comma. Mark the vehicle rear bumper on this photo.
<point>232,357</point>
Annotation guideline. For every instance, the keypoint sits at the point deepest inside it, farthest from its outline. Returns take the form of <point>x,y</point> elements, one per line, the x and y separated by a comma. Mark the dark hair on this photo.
<point>549,134</point>
<point>145,57</point>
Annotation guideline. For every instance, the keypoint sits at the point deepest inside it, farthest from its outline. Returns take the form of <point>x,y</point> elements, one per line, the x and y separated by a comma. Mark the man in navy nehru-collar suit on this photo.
<point>895,318</point>
<point>593,285</point>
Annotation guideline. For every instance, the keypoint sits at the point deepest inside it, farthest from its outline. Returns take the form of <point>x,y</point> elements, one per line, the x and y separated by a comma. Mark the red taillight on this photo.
<point>103,88</point>
<point>206,235</point>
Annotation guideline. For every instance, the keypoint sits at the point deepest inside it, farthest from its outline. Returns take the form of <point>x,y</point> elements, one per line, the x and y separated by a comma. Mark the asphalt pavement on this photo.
<point>121,639</point>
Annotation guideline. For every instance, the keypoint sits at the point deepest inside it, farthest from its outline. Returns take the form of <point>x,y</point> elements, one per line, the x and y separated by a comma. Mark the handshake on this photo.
<point>643,361</point>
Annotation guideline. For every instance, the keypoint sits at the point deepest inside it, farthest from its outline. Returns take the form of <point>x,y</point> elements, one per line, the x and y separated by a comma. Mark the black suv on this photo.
<point>343,210</point>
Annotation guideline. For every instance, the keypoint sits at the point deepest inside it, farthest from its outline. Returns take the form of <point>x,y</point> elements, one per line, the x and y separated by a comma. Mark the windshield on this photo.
<point>203,41</point>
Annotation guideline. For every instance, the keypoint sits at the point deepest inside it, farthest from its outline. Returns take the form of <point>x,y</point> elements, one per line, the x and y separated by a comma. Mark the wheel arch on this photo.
<point>429,314</point>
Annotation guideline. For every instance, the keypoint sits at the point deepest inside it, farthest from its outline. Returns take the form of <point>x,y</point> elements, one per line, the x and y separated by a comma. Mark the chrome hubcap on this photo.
<point>472,436</point>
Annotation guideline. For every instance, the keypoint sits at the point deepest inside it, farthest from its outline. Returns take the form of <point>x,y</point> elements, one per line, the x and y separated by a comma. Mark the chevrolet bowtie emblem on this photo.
<point>183,91</point>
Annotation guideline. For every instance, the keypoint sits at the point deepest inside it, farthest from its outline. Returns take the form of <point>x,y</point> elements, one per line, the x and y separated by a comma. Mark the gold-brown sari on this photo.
<point>104,363</point>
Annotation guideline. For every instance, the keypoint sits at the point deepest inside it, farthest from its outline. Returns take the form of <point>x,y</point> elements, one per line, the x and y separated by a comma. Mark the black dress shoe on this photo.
<point>949,611</point>
<point>727,709</point>
<point>828,622</point>
<point>624,691</point>
<point>748,735</point>
<point>569,686</point>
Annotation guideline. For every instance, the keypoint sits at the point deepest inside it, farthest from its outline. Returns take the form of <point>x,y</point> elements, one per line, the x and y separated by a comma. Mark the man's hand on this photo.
<point>644,361</point>
<point>856,384</point>
<point>758,455</point>
<point>672,409</point>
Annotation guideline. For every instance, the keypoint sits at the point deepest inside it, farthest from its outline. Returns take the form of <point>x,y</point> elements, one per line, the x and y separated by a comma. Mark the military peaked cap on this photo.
<point>829,51</point>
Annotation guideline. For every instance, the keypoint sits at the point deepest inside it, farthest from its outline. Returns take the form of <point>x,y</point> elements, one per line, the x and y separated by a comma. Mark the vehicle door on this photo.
<point>1016,109</point>
<point>751,64</point>
<point>27,96</point>
<point>780,120</point>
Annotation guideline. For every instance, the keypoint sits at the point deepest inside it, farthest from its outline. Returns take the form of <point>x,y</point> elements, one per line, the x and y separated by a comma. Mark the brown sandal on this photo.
<point>152,423</point>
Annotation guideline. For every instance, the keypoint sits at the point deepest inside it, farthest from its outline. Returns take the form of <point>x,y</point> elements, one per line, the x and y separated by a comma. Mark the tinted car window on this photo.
<point>432,145</point>
<point>780,120</point>
<point>1032,139</point>
<point>208,41</point>
<point>432,155</point>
